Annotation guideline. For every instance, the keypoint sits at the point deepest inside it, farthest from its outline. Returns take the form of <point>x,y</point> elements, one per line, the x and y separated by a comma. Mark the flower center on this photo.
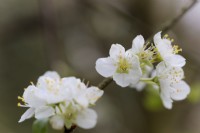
<point>52,87</point>
<point>123,66</point>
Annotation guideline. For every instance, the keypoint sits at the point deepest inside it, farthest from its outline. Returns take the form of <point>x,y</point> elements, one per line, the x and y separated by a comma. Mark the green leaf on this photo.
<point>194,95</point>
<point>40,126</point>
<point>152,101</point>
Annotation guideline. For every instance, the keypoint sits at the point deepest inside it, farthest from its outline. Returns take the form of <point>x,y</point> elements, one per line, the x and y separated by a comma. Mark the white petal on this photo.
<point>116,51</point>
<point>164,48</point>
<point>93,94</point>
<point>175,61</point>
<point>82,100</point>
<point>138,44</point>
<point>105,66</point>
<point>157,37</point>
<point>135,75</point>
<point>72,83</point>
<point>57,122</point>
<point>44,112</point>
<point>28,114</point>
<point>167,102</point>
<point>165,93</point>
<point>31,97</point>
<point>122,79</point>
<point>160,69</point>
<point>180,90</point>
<point>135,72</point>
<point>86,119</point>
<point>52,96</point>
<point>175,74</point>
<point>139,86</point>
<point>52,74</point>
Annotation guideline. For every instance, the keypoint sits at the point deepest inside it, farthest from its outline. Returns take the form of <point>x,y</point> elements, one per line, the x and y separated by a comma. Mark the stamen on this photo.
<point>87,84</point>
<point>176,49</point>
<point>20,98</point>
<point>166,36</point>
<point>31,83</point>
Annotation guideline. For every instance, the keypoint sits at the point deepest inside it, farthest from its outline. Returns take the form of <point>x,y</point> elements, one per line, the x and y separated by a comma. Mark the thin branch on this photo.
<point>69,130</point>
<point>105,83</point>
<point>175,20</point>
<point>54,45</point>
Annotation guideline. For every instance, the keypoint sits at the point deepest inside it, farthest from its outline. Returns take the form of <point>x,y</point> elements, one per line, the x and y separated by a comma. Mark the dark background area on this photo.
<point>69,35</point>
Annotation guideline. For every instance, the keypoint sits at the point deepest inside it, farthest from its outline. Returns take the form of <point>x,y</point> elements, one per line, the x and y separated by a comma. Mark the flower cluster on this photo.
<point>135,67</point>
<point>64,101</point>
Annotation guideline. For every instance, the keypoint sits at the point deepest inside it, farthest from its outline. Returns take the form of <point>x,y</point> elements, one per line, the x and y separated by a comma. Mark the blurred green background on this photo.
<point>69,35</point>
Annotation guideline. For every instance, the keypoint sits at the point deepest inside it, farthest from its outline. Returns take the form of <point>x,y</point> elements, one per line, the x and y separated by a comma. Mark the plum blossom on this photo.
<point>172,86</point>
<point>123,66</point>
<point>167,52</point>
<point>141,50</point>
<point>65,101</point>
<point>69,114</point>
<point>76,111</point>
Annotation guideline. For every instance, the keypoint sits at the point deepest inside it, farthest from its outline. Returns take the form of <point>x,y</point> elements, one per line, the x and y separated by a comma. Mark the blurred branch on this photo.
<point>54,46</point>
<point>174,21</point>
<point>105,83</point>
<point>69,130</point>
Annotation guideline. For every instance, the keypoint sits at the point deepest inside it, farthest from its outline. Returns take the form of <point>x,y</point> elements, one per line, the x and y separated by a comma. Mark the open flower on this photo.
<point>140,49</point>
<point>167,52</point>
<point>69,114</point>
<point>172,87</point>
<point>65,101</point>
<point>123,66</point>
<point>48,90</point>
<point>75,111</point>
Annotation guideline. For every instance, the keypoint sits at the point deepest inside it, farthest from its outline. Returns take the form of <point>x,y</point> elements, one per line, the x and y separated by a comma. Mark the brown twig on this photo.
<point>69,130</point>
<point>105,83</point>
<point>175,20</point>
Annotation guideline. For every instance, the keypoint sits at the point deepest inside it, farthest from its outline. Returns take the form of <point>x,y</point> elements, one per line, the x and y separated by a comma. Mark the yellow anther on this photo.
<point>123,66</point>
<point>19,104</point>
<point>165,36</point>
<point>176,49</point>
<point>20,98</point>
<point>172,40</point>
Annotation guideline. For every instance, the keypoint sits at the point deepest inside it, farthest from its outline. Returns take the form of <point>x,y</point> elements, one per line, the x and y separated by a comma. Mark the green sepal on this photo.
<point>40,126</point>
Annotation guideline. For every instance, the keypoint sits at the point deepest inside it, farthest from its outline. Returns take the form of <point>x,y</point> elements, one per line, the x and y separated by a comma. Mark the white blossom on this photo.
<point>65,101</point>
<point>72,114</point>
<point>123,66</point>
<point>167,52</point>
<point>76,111</point>
<point>172,86</point>
<point>138,44</point>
